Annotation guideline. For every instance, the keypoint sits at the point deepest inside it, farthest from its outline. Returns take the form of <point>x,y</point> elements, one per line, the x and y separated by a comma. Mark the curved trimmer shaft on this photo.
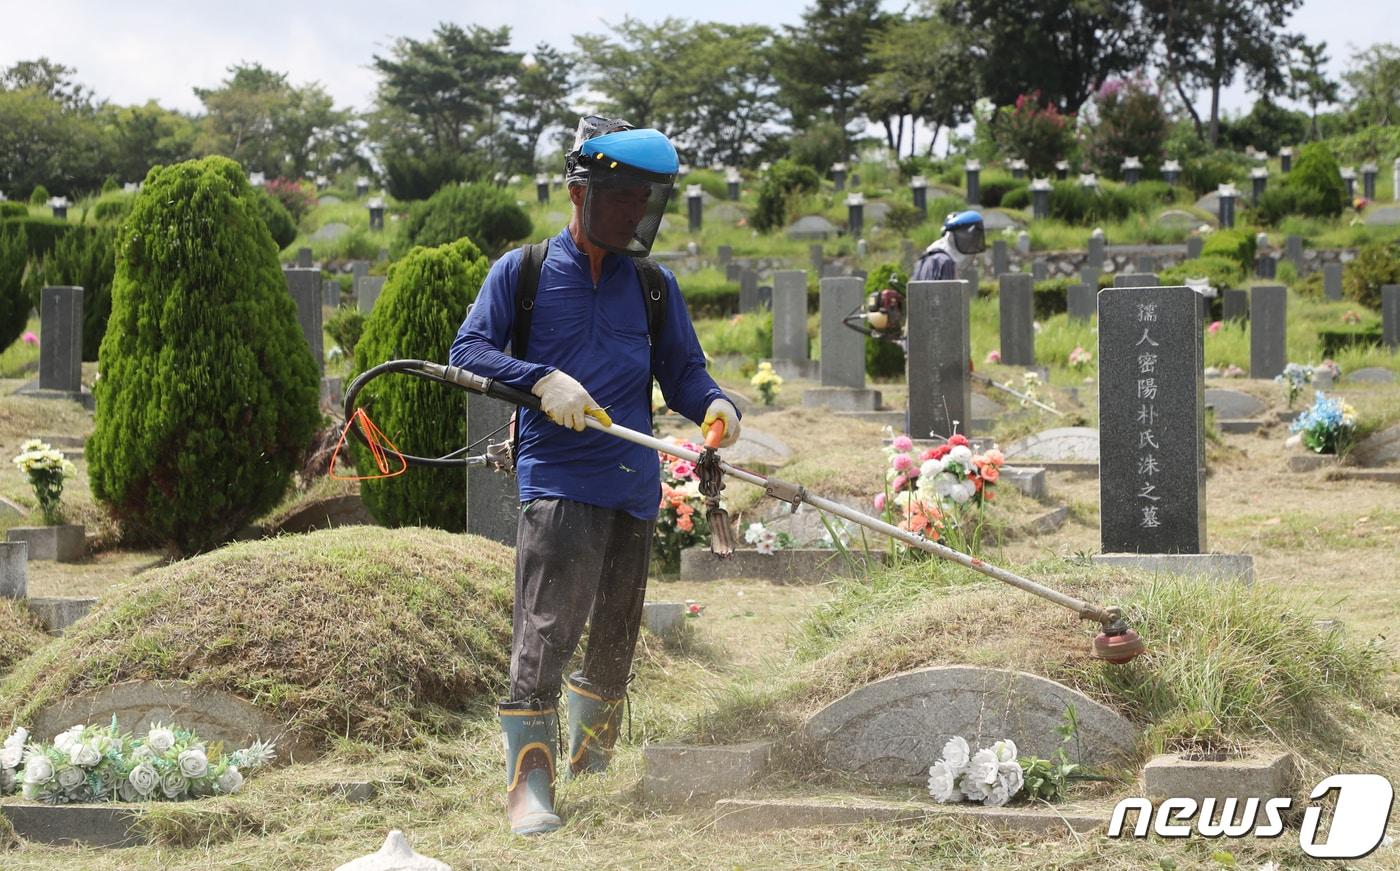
<point>1117,643</point>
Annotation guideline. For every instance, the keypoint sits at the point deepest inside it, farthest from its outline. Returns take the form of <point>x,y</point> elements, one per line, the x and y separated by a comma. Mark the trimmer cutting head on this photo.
<point>1118,643</point>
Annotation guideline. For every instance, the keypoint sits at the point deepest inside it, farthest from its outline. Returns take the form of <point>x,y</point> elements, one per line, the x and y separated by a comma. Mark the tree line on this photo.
<point>462,104</point>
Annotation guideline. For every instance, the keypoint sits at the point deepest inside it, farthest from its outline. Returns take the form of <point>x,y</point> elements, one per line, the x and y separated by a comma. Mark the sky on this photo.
<point>135,50</point>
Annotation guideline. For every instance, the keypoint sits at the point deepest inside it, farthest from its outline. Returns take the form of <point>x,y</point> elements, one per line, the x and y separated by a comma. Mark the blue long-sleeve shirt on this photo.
<point>597,335</point>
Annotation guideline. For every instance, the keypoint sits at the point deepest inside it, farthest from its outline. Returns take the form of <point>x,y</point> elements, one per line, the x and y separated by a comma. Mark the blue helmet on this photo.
<point>967,232</point>
<point>646,152</point>
<point>627,176</point>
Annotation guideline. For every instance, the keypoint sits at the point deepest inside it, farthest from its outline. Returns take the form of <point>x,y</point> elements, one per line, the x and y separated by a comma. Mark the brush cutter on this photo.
<point>1116,643</point>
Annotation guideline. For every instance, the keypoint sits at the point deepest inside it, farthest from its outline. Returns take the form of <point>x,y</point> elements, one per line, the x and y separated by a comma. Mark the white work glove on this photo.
<point>566,402</point>
<point>722,409</point>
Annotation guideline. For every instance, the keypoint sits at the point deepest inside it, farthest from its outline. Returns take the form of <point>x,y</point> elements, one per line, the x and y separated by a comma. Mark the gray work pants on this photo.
<point>576,563</point>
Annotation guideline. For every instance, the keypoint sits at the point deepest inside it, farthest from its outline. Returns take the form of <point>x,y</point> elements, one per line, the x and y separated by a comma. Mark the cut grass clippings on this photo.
<point>20,633</point>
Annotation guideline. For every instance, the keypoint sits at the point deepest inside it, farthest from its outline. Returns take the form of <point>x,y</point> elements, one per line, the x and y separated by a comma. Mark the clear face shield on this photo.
<point>622,209</point>
<point>969,240</point>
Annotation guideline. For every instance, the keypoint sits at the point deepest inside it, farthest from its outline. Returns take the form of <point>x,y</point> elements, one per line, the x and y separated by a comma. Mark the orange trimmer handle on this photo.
<point>715,434</point>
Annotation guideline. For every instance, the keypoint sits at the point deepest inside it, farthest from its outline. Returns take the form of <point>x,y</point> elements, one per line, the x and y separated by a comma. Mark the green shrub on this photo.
<point>1375,265</point>
<point>483,213</point>
<point>1074,204</point>
<point>1223,272</point>
<point>416,317</point>
<point>111,208</point>
<point>1131,121</point>
<point>711,182</point>
<point>708,294</point>
<point>1052,297</point>
<point>109,185</point>
<point>412,176</point>
<point>1208,172</point>
<point>208,395</point>
<point>1334,341</point>
<point>993,188</point>
<point>818,147</point>
<point>86,258</point>
<point>41,232</point>
<point>278,220</point>
<point>39,196</point>
<point>903,217</point>
<point>749,335</point>
<point>11,209</point>
<point>346,326</point>
<point>15,302</point>
<point>1313,188</point>
<point>1236,245</point>
<point>783,181</point>
<point>297,197</point>
<point>1017,198</point>
<point>1039,136</point>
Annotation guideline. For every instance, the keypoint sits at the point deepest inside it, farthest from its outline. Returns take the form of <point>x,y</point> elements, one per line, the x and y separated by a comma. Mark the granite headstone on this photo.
<point>1268,330</point>
<point>305,288</point>
<point>790,315</point>
<point>1017,307</point>
<point>61,339</point>
<point>940,387</point>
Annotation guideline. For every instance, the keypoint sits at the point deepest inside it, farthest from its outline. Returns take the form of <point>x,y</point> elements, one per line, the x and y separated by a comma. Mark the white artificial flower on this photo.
<point>974,790</point>
<point>144,779</point>
<point>11,757</point>
<point>982,768</point>
<point>753,533</point>
<point>70,777</point>
<point>943,782</point>
<point>66,741</point>
<point>230,780</point>
<point>256,755</point>
<point>193,763</point>
<point>766,546</point>
<point>17,738</point>
<point>903,498</point>
<point>960,455</point>
<point>956,752</point>
<point>943,484</point>
<point>930,467</point>
<point>127,792</point>
<point>84,755</point>
<point>173,783</point>
<point>960,493</point>
<point>141,751</point>
<point>160,739</point>
<point>32,791</point>
<point>1008,782</point>
<point>37,769</point>
<point>1004,750</point>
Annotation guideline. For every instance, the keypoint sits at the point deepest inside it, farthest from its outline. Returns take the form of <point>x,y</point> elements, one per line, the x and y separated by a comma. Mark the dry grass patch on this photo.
<point>20,633</point>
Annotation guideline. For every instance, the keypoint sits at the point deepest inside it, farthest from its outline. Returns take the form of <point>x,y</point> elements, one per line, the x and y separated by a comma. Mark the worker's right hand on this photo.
<point>566,402</point>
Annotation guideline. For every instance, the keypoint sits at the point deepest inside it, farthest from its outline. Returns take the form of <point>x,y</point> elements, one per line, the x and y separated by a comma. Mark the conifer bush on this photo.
<point>416,317</point>
<point>86,258</point>
<point>14,300</point>
<point>484,213</point>
<point>208,395</point>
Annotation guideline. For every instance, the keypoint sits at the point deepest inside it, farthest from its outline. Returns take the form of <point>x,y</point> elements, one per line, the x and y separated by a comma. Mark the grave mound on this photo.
<point>374,634</point>
<point>20,633</point>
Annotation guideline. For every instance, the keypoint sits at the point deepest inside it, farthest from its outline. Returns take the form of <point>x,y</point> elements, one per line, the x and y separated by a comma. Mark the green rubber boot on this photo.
<point>593,724</point>
<point>529,736</point>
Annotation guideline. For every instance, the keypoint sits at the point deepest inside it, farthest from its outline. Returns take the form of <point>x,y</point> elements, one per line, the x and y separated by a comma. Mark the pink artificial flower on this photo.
<point>684,523</point>
<point>1213,328</point>
<point>993,357</point>
<point>682,469</point>
<point>879,501</point>
<point>29,338</point>
<point>693,609</point>
<point>902,443</point>
<point>995,457</point>
<point>902,462</point>
<point>898,483</point>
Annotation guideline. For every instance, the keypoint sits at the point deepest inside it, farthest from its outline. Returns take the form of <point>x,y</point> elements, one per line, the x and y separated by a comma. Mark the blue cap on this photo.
<point>645,150</point>
<point>956,220</point>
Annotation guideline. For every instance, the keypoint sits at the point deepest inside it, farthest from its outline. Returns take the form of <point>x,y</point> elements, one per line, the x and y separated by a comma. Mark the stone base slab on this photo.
<point>663,618</point>
<point>66,543</point>
<point>1225,567</point>
<point>1380,476</point>
<point>1238,427</point>
<point>678,773</point>
<point>841,398</point>
<point>791,566</point>
<point>92,825</point>
<point>82,397</point>
<point>766,815</point>
<point>57,613</point>
<point>1029,480</point>
<point>1262,776</point>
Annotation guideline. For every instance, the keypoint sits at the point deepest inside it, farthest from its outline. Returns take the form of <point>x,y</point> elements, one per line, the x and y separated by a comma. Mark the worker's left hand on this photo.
<point>722,409</point>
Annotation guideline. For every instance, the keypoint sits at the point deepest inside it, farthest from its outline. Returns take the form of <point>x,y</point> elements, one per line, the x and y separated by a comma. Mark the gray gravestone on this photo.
<point>330,293</point>
<point>1151,421</point>
<point>1135,279</point>
<point>1234,305</point>
<point>940,387</point>
<point>973,280</point>
<point>1040,270</point>
<point>725,254</point>
<point>1089,275</point>
<point>367,292</point>
<point>305,288</point>
<point>14,570</point>
<point>790,315</point>
<point>61,339</point>
<point>358,269</point>
<point>1017,306</point>
<point>1146,264</point>
<point>303,258</point>
<point>1001,260</point>
<point>1232,404</point>
<point>1293,250</point>
<point>1268,330</point>
<point>492,498</point>
<point>732,272</point>
<point>1267,266</point>
<point>1081,303</point>
<point>1390,315</point>
<point>843,350</point>
<point>748,290</point>
<point>1096,251</point>
<point>1332,281</point>
<point>1194,245</point>
<point>815,257</point>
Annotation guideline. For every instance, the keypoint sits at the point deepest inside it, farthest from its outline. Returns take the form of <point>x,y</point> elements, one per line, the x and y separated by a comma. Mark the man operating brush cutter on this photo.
<point>583,324</point>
